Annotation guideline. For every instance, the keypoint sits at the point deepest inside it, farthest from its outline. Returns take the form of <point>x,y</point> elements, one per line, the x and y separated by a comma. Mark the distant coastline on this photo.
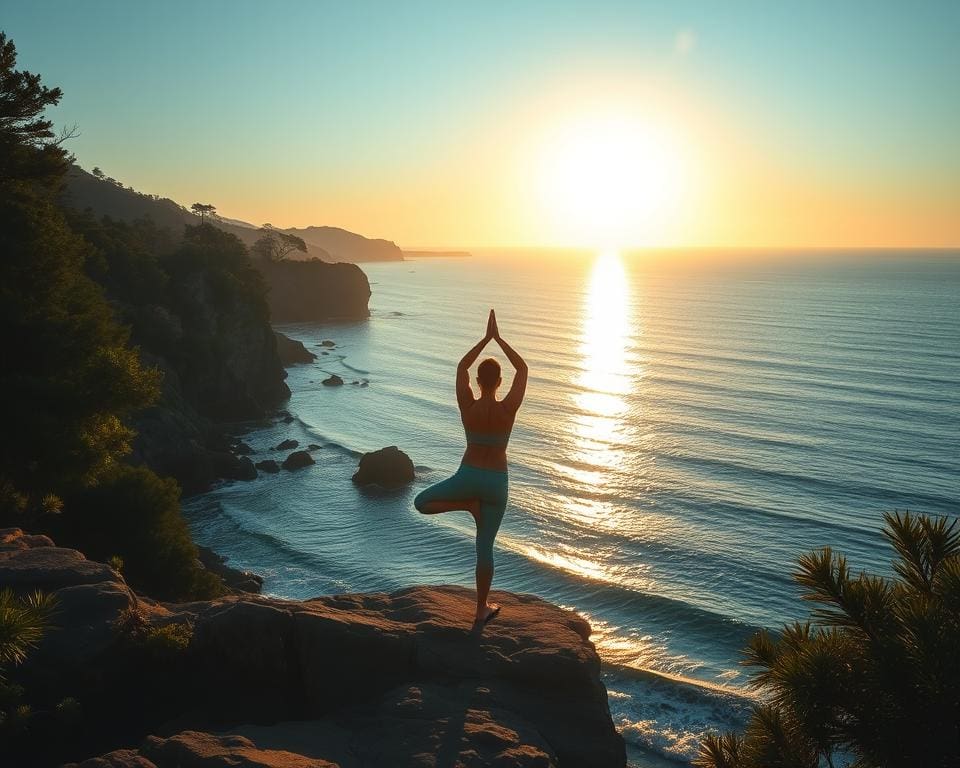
<point>437,254</point>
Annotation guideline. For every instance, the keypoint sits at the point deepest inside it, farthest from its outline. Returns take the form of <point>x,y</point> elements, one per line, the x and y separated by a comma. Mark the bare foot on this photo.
<point>489,611</point>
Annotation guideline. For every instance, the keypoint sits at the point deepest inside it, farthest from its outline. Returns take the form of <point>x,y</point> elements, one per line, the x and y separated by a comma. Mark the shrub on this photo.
<point>134,515</point>
<point>876,672</point>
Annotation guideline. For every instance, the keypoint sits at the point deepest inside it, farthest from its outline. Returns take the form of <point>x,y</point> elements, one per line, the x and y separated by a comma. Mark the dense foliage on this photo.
<point>875,675</point>
<point>23,620</point>
<point>135,515</point>
<point>71,380</point>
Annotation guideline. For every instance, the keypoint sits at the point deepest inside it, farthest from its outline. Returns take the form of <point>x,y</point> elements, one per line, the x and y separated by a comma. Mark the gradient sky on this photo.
<point>795,124</point>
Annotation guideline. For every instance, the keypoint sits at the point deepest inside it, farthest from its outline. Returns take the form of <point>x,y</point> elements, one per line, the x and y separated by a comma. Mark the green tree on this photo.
<point>274,245</point>
<point>68,378</point>
<point>876,672</point>
<point>29,149</point>
<point>203,209</point>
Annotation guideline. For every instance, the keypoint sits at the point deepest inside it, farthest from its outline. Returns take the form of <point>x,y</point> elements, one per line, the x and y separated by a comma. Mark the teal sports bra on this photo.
<point>486,438</point>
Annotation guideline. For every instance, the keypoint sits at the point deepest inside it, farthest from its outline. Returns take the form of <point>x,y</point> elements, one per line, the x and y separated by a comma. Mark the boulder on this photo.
<point>242,448</point>
<point>268,465</point>
<point>389,468</point>
<point>89,596</point>
<point>298,460</point>
<point>291,351</point>
<point>332,381</point>
<point>286,445</point>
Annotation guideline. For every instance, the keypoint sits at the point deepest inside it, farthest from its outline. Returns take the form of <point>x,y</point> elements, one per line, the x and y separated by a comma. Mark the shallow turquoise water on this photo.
<point>687,433</point>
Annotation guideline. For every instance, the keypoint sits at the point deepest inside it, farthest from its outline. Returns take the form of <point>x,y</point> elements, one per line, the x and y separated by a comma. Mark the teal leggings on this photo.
<point>470,483</point>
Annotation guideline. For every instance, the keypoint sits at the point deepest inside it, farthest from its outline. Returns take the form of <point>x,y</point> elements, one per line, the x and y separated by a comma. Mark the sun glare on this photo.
<point>610,182</point>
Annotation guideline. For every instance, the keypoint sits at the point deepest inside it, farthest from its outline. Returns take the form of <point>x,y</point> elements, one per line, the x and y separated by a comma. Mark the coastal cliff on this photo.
<point>372,679</point>
<point>307,291</point>
<point>199,309</point>
<point>336,244</point>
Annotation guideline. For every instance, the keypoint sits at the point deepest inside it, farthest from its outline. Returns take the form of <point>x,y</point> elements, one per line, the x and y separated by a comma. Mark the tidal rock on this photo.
<point>233,467</point>
<point>268,465</point>
<point>291,351</point>
<point>333,381</point>
<point>242,448</point>
<point>389,468</point>
<point>314,447</point>
<point>328,343</point>
<point>286,445</point>
<point>243,581</point>
<point>298,460</point>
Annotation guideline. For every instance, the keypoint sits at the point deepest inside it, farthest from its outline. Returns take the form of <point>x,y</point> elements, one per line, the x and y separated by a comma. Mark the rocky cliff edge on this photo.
<point>372,679</point>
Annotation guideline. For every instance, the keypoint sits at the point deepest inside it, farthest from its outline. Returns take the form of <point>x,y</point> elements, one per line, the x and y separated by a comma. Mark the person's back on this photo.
<point>480,484</point>
<point>487,424</point>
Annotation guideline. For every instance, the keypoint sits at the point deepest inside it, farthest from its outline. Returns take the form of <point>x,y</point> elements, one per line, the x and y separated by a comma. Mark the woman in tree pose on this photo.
<point>480,484</point>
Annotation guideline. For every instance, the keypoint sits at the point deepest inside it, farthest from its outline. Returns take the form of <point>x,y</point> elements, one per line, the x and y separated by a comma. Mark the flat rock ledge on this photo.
<point>354,680</point>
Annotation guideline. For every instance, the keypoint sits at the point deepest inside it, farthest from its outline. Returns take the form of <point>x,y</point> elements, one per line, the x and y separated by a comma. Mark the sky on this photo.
<point>455,124</point>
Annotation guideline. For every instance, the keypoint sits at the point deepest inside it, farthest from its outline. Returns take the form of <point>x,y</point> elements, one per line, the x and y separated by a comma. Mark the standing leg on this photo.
<point>488,523</point>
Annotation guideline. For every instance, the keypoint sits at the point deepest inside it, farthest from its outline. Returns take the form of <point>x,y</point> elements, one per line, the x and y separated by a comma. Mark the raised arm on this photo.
<point>519,387</point>
<point>464,393</point>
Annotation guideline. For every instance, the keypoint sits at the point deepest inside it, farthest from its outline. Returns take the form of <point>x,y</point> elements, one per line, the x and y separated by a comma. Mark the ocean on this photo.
<point>691,426</point>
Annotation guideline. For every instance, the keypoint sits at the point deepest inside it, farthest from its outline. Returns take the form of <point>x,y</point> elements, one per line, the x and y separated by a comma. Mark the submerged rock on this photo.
<point>314,447</point>
<point>298,460</point>
<point>389,467</point>
<point>268,465</point>
<point>333,381</point>
<point>286,445</point>
<point>328,343</point>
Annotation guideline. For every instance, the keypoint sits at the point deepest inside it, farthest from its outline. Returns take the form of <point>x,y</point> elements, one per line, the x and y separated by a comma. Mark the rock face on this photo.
<point>388,468</point>
<point>305,291</point>
<point>373,679</point>
<point>291,351</point>
<point>89,595</point>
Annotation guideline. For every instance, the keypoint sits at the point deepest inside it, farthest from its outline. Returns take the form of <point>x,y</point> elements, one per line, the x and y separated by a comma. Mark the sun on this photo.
<point>610,182</point>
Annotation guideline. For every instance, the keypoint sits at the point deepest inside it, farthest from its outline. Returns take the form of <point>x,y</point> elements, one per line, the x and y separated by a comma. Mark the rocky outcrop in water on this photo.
<point>389,468</point>
<point>298,460</point>
<point>372,679</point>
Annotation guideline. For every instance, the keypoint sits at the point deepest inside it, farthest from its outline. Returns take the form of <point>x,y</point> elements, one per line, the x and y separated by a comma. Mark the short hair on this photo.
<point>488,373</point>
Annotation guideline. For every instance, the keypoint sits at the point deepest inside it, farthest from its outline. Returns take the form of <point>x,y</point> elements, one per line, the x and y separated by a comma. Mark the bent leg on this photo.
<point>446,496</point>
